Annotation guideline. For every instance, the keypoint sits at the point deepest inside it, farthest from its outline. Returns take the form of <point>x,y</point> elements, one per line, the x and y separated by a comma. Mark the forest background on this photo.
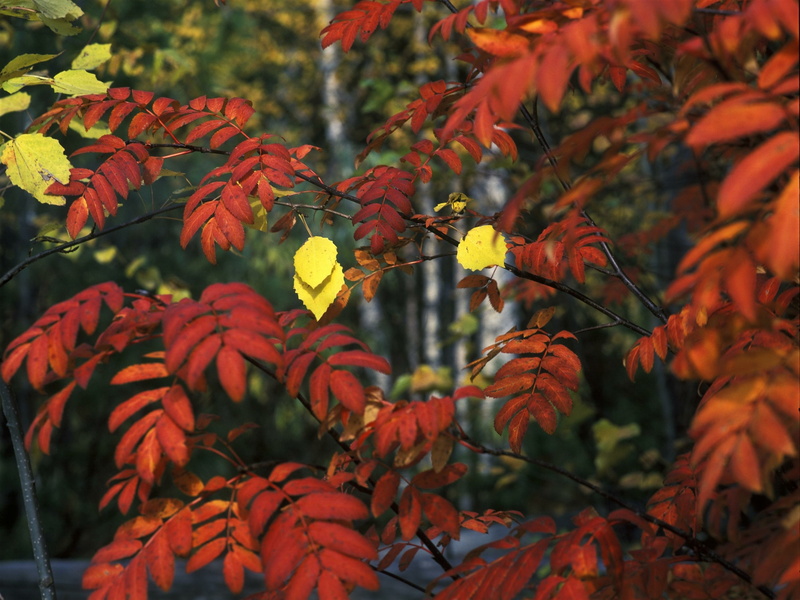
<point>622,435</point>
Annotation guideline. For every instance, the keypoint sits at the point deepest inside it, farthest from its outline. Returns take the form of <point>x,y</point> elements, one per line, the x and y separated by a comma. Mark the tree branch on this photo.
<point>47,588</point>
<point>87,238</point>
<point>701,549</point>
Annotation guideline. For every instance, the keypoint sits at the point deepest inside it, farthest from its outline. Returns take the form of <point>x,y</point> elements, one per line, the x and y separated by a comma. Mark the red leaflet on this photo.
<point>205,554</point>
<point>160,560</point>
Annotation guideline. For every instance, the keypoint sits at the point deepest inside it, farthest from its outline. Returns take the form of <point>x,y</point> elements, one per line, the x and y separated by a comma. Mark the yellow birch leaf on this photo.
<point>78,83</point>
<point>15,103</point>
<point>482,247</point>
<point>34,162</point>
<point>92,56</point>
<point>315,260</point>
<point>318,299</point>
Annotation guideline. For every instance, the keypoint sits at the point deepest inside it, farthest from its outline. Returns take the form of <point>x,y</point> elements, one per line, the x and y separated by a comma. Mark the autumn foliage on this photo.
<point>712,84</point>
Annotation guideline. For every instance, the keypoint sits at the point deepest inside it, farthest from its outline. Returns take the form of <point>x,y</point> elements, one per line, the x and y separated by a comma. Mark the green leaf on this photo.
<point>22,64</point>
<point>33,162</point>
<point>78,83</point>
<point>71,83</point>
<point>96,131</point>
<point>58,9</point>
<point>61,26</point>
<point>92,56</point>
<point>14,103</point>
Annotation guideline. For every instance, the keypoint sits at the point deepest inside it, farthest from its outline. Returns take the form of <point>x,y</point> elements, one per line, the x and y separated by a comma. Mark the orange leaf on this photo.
<point>160,560</point>
<point>179,532</point>
<point>233,572</point>
<point>172,440</point>
<point>98,575</point>
<point>735,118</point>
<point>117,550</point>
<point>177,405</point>
<point>132,405</point>
<point>756,171</point>
<point>205,554</point>
<point>140,373</point>
<point>516,430</point>
<point>498,42</point>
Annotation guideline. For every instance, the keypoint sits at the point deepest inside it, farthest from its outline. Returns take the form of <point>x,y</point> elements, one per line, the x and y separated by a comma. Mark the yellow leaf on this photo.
<point>457,202</point>
<point>314,261</point>
<point>78,83</point>
<point>34,162</point>
<point>15,103</point>
<point>318,299</point>
<point>482,247</point>
<point>92,56</point>
<point>318,277</point>
<point>259,215</point>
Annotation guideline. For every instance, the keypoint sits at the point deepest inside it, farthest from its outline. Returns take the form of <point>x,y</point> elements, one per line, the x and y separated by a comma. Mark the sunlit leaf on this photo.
<point>34,162</point>
<point>482,247</point>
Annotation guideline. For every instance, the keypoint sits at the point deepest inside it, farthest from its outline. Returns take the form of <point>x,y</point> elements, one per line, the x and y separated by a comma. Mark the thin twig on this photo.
<point>532,118</point>
<point>66,246</point>
<point>47,587</point>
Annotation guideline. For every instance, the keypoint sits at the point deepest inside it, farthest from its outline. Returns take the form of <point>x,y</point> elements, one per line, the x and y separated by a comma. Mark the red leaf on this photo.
<point>98,575</point>
<point>140,372</point>
<point>410,513</point>
<point>262,510</point>
<point>179,532</point>
<point>232,371</point>
<point>516,430</point>
<point>360,358</point>
<point>442,514</point>
<point>160,560</point>
<point>342,539</point>
<point>755,172</point>
<point>384,493</point>
<point>132,437</point>
<point>332,505</point>
<point>348,390</point>
<point>349,569</point>
<point>205,554</point>
<point>132,405</point>
<point>233,572</point>
<point>735,118</point>
<point>116,551</point>
<point>177,405</point>
<point>172,440</point>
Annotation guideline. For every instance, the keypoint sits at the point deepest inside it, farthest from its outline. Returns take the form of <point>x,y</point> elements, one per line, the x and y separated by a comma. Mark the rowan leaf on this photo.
<point>482,247</point>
